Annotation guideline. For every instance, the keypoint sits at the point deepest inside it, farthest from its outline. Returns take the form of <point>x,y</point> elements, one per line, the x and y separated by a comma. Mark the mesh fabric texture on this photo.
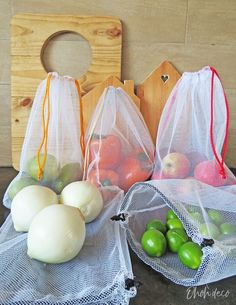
<point>96,276</point>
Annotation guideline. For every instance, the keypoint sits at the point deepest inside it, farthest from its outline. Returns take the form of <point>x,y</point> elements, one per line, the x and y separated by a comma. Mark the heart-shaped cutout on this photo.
<point>165,78</point>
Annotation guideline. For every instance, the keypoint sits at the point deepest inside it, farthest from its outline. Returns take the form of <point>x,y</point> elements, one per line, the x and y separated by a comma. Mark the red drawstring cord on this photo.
<point>221,163</point>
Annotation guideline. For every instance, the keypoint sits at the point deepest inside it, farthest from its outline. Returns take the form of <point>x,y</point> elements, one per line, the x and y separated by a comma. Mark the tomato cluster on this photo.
<point>113,165</point>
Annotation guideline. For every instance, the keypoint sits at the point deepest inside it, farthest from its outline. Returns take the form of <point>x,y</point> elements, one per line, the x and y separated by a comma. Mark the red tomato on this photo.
<point>130,172</point>
<point>145,160</point>
<point>103,177</point>
<point>106,150</point>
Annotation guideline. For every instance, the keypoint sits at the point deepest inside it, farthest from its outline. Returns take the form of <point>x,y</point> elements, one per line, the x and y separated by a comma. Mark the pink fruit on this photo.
<point>175,166</point>
<point>209,173</point>
<point>157,175</point>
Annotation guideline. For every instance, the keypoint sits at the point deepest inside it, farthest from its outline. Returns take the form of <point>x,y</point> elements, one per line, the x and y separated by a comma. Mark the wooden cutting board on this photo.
<point>30,34</point>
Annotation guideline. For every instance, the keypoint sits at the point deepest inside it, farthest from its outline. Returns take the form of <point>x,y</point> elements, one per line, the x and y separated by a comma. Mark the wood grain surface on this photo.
<point>91,98</point>
<point>154,92</point>
<point>30,34</point>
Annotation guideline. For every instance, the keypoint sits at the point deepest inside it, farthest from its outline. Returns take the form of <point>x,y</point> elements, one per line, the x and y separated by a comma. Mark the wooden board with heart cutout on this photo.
<point>154,92</point>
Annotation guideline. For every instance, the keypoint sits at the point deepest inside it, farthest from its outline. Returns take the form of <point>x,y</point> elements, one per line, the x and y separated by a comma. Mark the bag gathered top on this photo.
<point>119,150</point>
<point>53,148</point>
<point>194,130</point>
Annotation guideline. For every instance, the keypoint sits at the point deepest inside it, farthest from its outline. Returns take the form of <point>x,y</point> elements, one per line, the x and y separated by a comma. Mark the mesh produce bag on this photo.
<point>119,149</point>
<point>193,181</point>
<point>53,144</point>
<point>99,274</point>
<point>193,131</point>
<point>152,200</point>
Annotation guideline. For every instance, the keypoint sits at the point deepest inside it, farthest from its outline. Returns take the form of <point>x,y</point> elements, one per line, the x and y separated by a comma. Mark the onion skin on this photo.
<point>28,203</point>
<point>56,234</point>
<point>85,196</point>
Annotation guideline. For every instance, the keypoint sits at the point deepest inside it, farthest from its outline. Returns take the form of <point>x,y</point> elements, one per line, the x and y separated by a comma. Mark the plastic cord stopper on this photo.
<point>118,217</point>
<point>207,242</point>
<point>129,283</point>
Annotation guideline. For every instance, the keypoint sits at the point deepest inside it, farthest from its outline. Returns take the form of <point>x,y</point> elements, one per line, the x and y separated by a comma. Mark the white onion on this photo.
<point>28,202</point>
<point>85,196</point>
<point>56,234</point>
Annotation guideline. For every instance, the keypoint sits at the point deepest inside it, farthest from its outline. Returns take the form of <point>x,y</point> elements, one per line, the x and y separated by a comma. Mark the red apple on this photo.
<point>157,175</point>
<point>175,165</point>
<point>209,173</point>
<point>195,158</point>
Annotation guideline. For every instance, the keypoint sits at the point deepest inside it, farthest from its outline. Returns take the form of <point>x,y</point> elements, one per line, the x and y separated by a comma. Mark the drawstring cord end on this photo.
<point>40,173</point>
<point>222,172</point>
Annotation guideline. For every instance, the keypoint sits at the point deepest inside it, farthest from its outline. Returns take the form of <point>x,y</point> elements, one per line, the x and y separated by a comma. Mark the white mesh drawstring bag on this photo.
<point>100,274</point>
<point>52,153</point>
<point>193,131</point>
<point>119,149</point>
<point>192,179</point>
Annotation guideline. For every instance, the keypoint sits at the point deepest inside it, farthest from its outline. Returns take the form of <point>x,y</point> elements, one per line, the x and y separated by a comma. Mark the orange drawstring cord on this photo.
<point>45,129</point>
<point>82,143</point>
